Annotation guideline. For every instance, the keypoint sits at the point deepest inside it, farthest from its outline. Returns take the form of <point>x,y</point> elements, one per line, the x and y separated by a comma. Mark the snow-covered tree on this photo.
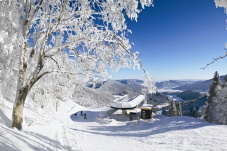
<point>216,110</point>
<point>179,109</point>
<point>221,3</point>
<point>83,39</point>
<point>215,83</point>
<point>194,112</point>
<point>9,49</point>
<point>213,99</point>
<point>201,113</point>
<point>221,118</point>
<point>188,113</point>
<point>225,81</point>
<point>172,108</point>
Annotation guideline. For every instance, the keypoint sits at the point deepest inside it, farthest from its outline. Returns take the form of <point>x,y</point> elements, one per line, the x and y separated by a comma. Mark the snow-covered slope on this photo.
<point>63,131</point>
<point>101,94</point>
<point>117,88</point>
<point>47,89</point>
<point>91,97</point>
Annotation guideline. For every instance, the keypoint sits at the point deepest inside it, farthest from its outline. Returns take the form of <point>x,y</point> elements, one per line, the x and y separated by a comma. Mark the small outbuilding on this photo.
<point>146,111</point>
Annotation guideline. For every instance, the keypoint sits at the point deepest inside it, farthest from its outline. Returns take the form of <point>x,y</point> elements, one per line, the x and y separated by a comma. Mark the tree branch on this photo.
<point>30,20</point>
<point>62,11</point>
<point>129,52</point>
<point>147,79</point>
<point>64,45</point>
<point>54,61</point>
<point>41,75</point>
<point>215,59</point>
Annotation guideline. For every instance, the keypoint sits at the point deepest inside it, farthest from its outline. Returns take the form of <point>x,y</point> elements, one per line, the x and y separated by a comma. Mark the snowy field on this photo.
<point>63,131</point>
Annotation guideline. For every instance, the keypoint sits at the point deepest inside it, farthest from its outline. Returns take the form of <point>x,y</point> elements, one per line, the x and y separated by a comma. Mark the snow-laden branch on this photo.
<point>41,35</point>
<point>219,3</point>
<point>215,59</point>
<point>54,61</point>
<point>148,82</point>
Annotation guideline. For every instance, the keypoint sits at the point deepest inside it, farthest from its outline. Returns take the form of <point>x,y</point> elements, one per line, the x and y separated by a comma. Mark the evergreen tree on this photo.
<point>194,112</point>
<point>216,82</point>
<point>225,81</point>
<point>212,96</point>
<point>164,112</point>
<point>187,113</point>
<point>179,109</point>
<point>172,109</point>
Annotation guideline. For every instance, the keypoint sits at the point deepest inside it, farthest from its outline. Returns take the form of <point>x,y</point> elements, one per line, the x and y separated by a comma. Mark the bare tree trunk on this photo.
<point>22,88</point>
<point>17,117</point>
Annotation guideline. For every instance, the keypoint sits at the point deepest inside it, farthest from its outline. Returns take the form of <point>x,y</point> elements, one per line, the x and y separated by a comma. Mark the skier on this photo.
<point>81,113</point>
<point>85,116</point>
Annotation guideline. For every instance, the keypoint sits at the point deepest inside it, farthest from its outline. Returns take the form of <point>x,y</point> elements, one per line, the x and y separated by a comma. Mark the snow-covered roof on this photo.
<point>127,104</point>
<point>146,106</point>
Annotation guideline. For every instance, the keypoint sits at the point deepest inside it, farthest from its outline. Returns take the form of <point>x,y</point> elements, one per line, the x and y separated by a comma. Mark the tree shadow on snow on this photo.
<point>5,119</point>
<point>35,141</point>
<point>159,125</point>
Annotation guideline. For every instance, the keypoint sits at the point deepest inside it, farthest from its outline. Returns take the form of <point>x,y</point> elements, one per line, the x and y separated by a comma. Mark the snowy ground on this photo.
<point>63,131</point>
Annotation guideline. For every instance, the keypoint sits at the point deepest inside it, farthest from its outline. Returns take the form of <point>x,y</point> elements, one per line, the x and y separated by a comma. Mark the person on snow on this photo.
<point>130,117</point>
<point>81,113</point>
<point>85,116</point>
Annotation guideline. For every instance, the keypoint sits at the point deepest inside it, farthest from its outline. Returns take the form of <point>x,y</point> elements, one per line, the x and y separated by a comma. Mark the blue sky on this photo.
<point>176,38</point>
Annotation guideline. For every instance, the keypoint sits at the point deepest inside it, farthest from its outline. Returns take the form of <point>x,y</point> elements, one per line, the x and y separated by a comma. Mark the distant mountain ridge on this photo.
<point>133,83</point>
<point>198,86</point>
<point>172,84</point>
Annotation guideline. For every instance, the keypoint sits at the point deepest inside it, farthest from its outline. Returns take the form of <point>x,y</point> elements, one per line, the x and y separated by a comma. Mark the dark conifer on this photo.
<point>194,112</point>
<point>179,109</point>
<point>172,109</point>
